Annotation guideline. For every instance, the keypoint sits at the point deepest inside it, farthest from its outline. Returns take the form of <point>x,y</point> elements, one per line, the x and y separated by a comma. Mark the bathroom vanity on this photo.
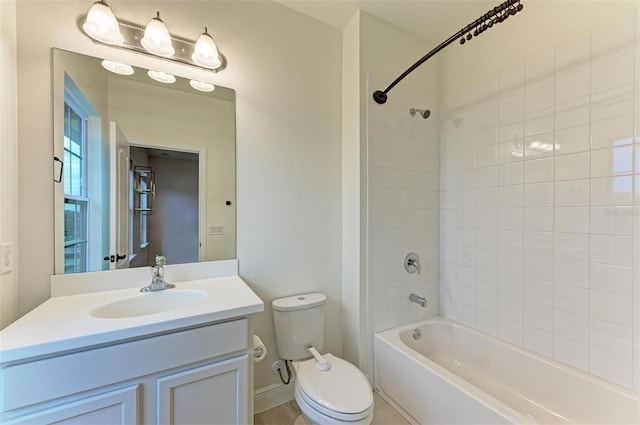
<point>177,356</point>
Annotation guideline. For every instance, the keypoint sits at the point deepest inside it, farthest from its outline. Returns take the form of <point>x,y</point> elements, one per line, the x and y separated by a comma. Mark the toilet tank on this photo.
<point>299,322</point>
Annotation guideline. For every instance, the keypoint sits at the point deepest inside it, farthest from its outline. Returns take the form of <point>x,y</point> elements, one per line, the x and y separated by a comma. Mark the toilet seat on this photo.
<point>343,392</point>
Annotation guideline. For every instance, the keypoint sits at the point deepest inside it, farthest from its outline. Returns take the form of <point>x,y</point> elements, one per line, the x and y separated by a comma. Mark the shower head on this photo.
<point>424,113</point>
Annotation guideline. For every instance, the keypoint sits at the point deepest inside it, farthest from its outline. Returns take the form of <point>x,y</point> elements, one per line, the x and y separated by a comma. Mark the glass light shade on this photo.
<point>202,86</point>
<point>157,39</point>
<point>205,52</point>
<point>161,77</point>
<point>101,24</point>
<point>117,67</point>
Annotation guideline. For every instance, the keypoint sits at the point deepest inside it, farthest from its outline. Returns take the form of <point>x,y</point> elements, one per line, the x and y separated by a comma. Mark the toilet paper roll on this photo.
<point>259,349</point>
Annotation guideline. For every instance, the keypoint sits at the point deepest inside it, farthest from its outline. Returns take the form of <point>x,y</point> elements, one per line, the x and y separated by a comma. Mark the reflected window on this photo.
<point>76,198</point>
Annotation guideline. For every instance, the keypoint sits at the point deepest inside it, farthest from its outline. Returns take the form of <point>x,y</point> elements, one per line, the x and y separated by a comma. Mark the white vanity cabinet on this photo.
<point>199,375</point>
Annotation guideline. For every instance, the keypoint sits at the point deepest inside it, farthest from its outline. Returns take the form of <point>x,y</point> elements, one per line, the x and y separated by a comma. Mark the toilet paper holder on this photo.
<point>259,349</point>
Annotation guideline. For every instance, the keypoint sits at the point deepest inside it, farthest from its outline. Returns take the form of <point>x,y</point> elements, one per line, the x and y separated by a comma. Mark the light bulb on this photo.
<point>101,24</point>
<point>202,86</point>
<point>161,77</point>
<point>117,67</point>
<point>205,52</point>
<point>157,39</point>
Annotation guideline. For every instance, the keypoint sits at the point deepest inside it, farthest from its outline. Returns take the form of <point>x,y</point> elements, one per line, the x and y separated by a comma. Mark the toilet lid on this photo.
<point>343,388</point>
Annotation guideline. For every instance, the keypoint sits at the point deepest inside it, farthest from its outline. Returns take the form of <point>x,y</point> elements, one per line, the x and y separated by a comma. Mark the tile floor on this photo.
<point>286,414</point>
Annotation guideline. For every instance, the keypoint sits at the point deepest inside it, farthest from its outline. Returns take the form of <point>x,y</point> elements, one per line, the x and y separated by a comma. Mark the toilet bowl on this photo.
<point>341,395</point>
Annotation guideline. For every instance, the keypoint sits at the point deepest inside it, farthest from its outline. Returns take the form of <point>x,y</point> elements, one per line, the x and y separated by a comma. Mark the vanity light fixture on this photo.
<point>205,52</point>
<point>117,67</point>
<point>102,27</point>
<point>161,77</point>
<point>202,86</point>
<point>157,39</point>
<point>101,24</point>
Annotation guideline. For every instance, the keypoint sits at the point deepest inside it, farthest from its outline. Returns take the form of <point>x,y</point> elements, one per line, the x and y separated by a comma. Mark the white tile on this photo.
<point>538,194</point>
<point>465,179</point>
<point>538,291</point>
<point>612,191</point>
<point>487,322</point>
<point>538,122</point>
<point>612,162</point>
<point>538,243</point>
<point>571,219</point>
<point>486,176</point>
<point>538,219</point>
<point>486,280</point>
<point>510,330</point>
<point>612,72</point>
<point>572,113</point>
<point>571,352</point>
<point>538,340</point>
<point>612,221</point>
<point>510,263</point>
<point>486,197</point>
<point>612,132</point>
<point>486,259</point>
<point>611,366</point>
<point>571,272</point>
<point>612,249</point>
<point>571,193</point>
<point>611,308</point>
<point>539,96</point>
<point>608,336</point>
<point>510,218</point>
<point>573,86</point>
<point>611,103</point>
<point>466,257</point>
<point>486,239</point>
<point>612,279</point>
<point>539,316</point>
<point>487,155</point>
<point>540,68</point>
<point>539,145</point>
<point>540,268</point>
<point>613,39</point>
<point>487,218</point>
<point>539,170</point>
<point>511,151</point>
<point>510,196</point>
<point>573,57</point>
<point>511,173</point>
<point>512,79</point>
<point>571,299</point>
<point>571,325</point>
<point>511,129</point>
<point>574,246</point>
<point>510,240</point>
<point>572,139</point>
<point>572,167</point>
<point>511,104</point>
<point>487,301</point>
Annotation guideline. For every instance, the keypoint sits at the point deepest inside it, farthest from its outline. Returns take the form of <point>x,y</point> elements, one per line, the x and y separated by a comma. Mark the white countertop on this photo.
<point>63,324</point>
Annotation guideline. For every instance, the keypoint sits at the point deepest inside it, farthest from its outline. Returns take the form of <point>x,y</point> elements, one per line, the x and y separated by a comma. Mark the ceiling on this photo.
<point>435,20</point>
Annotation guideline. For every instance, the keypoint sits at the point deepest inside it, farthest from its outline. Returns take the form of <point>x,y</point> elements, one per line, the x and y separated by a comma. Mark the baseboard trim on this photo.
<point>271,396</point>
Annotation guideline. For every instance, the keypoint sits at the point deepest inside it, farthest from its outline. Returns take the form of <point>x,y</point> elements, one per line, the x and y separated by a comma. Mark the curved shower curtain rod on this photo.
<point>494,16</point>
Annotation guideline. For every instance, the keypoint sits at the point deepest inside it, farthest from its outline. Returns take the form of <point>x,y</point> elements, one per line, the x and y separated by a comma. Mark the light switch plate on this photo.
<point>216,229</point>
<point>6,258</point>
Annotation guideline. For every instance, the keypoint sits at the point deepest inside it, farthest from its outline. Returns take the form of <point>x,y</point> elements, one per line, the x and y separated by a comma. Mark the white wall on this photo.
<point>286,71</point>
<point>539,194</point>
<point>8,158</point>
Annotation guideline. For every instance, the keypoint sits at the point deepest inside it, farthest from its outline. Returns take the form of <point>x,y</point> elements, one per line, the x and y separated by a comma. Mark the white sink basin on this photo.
<point>149,303</point>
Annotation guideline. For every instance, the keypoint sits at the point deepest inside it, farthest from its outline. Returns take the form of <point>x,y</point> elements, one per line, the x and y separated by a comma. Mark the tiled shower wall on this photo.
<point>540,204</point>
<point>403,207</point>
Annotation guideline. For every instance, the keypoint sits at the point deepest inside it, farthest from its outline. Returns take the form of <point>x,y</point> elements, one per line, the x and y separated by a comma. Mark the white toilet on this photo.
<point>341,394</point>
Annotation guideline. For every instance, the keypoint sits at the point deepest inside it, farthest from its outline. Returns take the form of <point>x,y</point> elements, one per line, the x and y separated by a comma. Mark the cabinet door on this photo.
<point>217,393</point>
<point>114,407</point>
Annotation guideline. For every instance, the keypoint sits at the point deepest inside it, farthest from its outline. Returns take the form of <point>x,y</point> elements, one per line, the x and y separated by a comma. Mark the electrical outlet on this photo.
<point>6,258</point>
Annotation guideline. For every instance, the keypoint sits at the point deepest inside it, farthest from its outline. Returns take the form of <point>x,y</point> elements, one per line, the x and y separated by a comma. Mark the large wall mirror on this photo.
<point>142,167</point>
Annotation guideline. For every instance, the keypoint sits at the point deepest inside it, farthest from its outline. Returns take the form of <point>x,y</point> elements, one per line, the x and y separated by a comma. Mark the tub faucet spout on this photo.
<point>421,301</point>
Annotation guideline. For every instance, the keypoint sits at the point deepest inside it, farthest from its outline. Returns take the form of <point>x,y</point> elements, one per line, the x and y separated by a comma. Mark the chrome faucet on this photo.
<point>157,276</point>
<point>412,263</point>
<point>422,301</point>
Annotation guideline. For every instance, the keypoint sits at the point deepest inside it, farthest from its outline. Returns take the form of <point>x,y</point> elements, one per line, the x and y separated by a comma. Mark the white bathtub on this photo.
<point>453,374</point>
